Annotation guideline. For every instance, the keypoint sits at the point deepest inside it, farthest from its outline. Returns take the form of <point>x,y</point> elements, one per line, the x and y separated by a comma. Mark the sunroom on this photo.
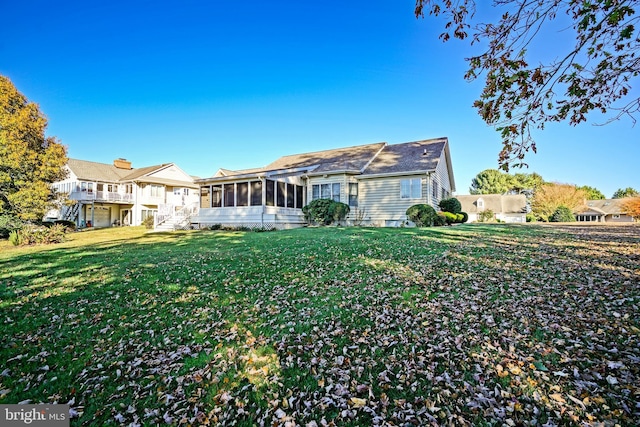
<point>252,200</point>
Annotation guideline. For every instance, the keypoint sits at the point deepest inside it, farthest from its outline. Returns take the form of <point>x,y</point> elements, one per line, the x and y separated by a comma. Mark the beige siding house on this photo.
<point>605,210</point>
<point>378,181</point>
<point>506,208</point>
<point>104,195</point>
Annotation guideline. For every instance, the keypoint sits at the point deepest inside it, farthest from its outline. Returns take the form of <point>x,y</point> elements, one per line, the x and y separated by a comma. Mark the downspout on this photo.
<point>263,187</point>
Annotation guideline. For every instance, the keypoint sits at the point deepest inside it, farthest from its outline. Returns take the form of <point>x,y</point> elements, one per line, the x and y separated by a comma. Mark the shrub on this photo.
<point>338,211</point>
<point>422,215</point>
<point>148,222</point>
<point>531,218</point>
<point>486,216</point>
<point>562,214</point>
<point>9,223</point>
<point>69,225</point>
<point>459,218</point>
<point>325,211</point>
<point>14,237</point>
<point>465,217</point>
<point>33,235</point>
<point>440,220</point>
<point>449,218</point>
<point>450,205</point>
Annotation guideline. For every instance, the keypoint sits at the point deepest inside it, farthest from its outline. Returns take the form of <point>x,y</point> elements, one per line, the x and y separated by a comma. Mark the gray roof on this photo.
<point>498,203</point>
<point>340,159</point>
<point>93,171</point>
<point>604,206</point>
<point>408,157</point>
<point>367,160</point>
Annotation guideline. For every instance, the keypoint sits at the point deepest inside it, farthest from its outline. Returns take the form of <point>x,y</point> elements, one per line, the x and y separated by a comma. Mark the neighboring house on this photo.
<point>506,207</point>
<point>378,181</point>
<point>104,195</point>
<point>605,210</point>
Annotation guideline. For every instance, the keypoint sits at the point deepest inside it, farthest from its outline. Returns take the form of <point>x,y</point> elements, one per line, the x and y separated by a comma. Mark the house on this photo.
<point>103,195</point>
<point>605,210</point>
<point>378,181</point>
<point>505,207</point>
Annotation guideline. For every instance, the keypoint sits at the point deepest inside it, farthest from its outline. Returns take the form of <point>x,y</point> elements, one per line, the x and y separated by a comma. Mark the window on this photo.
<point>326,191</point>
<point>256,193</point>
<point>411,188</point>
<point>205,198</point>
<point>177,191</point>
<point>353,194</point>
<point>299,196</point>
<point>444,194</point>
<point>147,213</point>
<point>216,196</point>
<point>229,195</point>
<point>112,188</point>
<point>335,191</point>
<point>615,216</point>
<point>291,195</point>
<point>480,204</point>
<point>155,190</point>
<point>434,189</point>
<point>271,191</point>
<point>243,193</point>
<point>128,188</point>
<point>281,194</point>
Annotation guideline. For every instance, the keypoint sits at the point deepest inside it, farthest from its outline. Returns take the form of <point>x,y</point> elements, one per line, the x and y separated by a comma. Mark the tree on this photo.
<point>626,192</point>
<point>631,206</point>
<point>522,92</point>
<point>490,181</point>
<point>29,161</point>
<point>592,193</point>
<point>526,183</point>
<point>550,196</point>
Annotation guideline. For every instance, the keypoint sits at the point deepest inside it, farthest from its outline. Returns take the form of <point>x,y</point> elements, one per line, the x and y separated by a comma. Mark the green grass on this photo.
<point>242,327</point>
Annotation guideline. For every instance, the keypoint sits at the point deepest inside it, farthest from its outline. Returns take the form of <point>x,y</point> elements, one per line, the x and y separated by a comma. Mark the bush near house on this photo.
<point>449,218</point>
<point>148,222</point>
<point>325,211</point>
<point>422,215</point>
<point>37,234</point>
<point>486,216</point>
<point>450,205</point>
<point>562,214</point>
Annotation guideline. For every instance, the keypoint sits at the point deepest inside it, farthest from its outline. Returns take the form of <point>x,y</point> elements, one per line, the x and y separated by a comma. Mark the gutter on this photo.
<point>392,174</point>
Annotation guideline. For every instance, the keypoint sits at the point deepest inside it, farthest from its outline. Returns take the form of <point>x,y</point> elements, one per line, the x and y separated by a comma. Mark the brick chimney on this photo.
<point>122,163</point>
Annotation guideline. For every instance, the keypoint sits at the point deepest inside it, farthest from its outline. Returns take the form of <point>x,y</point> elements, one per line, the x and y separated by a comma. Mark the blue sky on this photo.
<point>210,84</point>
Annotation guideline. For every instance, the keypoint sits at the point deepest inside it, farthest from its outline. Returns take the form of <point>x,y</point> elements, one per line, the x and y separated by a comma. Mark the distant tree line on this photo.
<point>546,201</point>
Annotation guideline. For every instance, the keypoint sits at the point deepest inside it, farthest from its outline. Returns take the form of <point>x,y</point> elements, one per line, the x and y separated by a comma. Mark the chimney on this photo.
<point>122,163</point>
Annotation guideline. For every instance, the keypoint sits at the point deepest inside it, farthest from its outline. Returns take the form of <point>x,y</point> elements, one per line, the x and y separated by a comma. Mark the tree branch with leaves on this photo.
<point>521,94</point>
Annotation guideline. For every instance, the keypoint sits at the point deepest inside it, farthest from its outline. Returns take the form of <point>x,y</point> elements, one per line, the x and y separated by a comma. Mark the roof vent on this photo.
<point>122,163</point>
<point>424,153</point>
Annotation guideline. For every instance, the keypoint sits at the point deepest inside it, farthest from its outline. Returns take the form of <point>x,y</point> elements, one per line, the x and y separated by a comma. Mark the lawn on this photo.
<point>466,325</point>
